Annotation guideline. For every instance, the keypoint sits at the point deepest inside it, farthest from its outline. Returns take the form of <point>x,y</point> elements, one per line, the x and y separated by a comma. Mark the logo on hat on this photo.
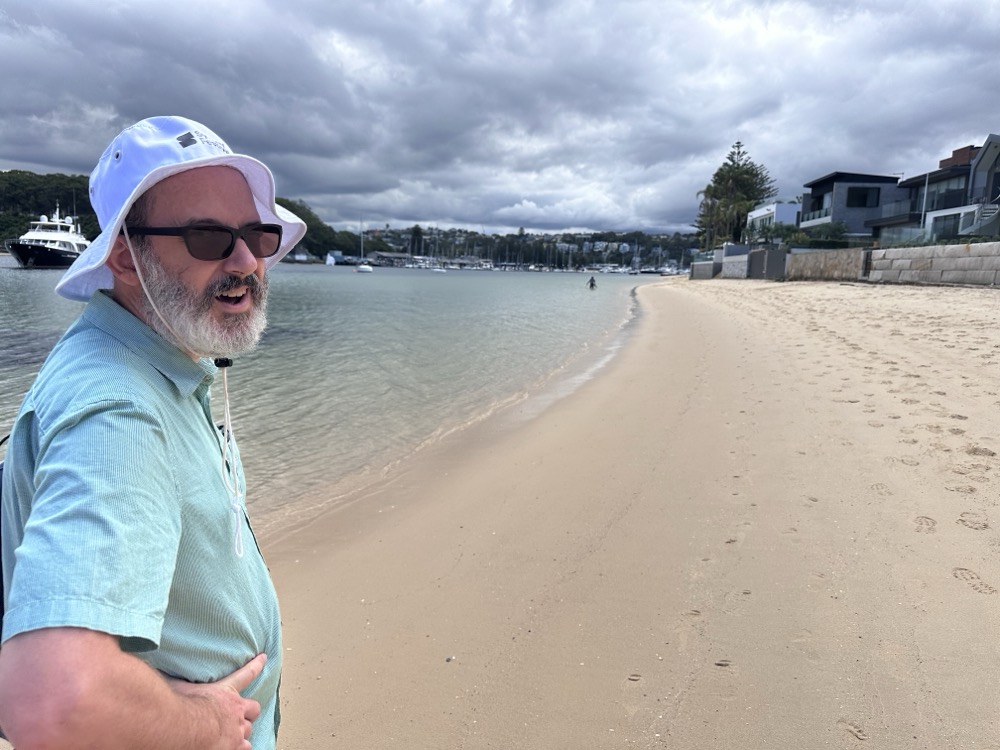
<point>187,139</point>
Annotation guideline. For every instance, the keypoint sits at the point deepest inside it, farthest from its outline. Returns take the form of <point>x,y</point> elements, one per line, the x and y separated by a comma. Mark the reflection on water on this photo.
<point>357,371</point>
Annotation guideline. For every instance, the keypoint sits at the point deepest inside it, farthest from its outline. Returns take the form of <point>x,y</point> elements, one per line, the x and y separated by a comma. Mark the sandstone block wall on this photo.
<point>942,264</point>
<point>831,265</point>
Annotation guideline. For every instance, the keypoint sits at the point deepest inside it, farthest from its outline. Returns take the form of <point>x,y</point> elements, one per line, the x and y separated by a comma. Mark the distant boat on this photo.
<point>331,259</point>
<point>49,243</point>
<point>363,266</point>
<point>438,269</point>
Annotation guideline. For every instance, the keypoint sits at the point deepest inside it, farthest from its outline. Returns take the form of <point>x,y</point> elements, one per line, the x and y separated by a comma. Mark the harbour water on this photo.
<point>358,372</point>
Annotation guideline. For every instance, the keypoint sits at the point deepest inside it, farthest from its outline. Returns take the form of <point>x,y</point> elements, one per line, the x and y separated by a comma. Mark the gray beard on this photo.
<point>189,313</point>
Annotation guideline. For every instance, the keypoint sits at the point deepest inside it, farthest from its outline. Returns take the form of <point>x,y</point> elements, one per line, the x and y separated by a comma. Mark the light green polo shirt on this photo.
<point>117,518</point>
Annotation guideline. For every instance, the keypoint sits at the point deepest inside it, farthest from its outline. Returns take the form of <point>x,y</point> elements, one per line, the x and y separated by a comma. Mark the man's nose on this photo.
<point>241,262</point>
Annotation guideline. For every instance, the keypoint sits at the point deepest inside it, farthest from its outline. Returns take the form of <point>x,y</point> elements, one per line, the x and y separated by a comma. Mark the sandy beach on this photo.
<point>770,522</point>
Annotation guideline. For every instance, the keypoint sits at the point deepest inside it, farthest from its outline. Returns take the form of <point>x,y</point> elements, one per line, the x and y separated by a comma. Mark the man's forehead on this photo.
<point>202,177</point>
<point>203,192</point>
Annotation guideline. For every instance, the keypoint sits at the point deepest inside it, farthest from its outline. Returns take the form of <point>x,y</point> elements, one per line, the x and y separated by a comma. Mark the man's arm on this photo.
<point>75,688</point>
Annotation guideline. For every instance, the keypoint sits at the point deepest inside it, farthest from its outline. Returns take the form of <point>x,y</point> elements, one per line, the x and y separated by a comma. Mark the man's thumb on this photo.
<point>245,674</point>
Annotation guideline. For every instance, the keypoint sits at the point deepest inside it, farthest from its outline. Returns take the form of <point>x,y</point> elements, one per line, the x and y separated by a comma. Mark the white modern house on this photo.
<point>765,216</point>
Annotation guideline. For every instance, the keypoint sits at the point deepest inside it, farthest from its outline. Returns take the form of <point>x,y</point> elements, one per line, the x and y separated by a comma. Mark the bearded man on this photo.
<point>139,612</point>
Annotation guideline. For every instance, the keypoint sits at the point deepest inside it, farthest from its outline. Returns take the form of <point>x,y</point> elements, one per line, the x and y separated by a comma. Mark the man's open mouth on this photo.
<point>232,297</point>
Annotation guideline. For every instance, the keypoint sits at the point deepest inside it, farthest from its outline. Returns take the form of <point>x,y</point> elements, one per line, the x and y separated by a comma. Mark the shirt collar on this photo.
<point>185,373</point>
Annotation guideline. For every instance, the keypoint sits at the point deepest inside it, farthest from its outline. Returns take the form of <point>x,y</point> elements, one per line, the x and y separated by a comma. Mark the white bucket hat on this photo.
<point>141,156</point>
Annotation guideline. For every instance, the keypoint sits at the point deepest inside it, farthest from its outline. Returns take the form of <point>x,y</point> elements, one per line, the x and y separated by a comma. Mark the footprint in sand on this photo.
<point>853,729</point>
<point>976,450</point>
<point>973,520</point>
<point>882,489</point>
<point>925,524</point>
<point>972,578</point>
<point>967,469</point>
<point>965,489</point>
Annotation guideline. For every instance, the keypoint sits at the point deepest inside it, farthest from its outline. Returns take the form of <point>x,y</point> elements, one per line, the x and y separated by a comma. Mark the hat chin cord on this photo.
<point>235,484</point>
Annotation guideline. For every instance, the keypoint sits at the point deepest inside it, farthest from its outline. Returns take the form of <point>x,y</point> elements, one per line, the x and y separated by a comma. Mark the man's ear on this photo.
<point>121,264</point>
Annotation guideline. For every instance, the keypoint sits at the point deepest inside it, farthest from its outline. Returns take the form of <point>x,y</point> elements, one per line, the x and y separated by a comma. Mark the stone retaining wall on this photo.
<point>825,265</point>
<point>942,264</point>
<point>977,264</point>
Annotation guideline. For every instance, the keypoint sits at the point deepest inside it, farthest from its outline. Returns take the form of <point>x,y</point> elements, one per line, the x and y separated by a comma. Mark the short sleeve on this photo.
<point>100,545</point>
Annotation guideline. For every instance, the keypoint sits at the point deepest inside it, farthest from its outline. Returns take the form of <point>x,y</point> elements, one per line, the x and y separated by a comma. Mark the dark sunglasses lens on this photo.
<point>208,243</point>
<point>263,240</point>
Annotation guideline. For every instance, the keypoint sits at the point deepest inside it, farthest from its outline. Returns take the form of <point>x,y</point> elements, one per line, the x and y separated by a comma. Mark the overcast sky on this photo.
<point>500,114</point>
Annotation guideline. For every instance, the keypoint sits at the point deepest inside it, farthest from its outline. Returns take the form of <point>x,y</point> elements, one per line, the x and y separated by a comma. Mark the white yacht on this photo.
<point>49,243</point>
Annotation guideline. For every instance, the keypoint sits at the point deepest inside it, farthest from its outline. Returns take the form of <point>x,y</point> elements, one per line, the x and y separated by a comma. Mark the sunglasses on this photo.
<point>216,241</point>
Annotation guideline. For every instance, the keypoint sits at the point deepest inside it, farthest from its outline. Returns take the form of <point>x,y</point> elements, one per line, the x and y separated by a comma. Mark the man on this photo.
<point>139,612</point>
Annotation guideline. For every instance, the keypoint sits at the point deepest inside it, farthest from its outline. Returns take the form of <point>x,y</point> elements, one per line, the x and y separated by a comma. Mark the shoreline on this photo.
<point>525,404</point>
<point>766,522</point>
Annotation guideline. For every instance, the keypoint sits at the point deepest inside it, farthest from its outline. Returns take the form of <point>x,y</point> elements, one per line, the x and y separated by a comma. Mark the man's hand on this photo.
<point>76,688</point>
<point>234,713</point>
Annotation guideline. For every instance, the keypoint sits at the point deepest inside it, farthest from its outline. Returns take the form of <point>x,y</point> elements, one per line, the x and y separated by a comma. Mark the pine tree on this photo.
<point>737,187</point>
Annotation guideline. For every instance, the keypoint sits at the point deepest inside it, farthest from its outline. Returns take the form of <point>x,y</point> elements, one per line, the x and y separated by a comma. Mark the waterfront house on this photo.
<point>958,199</point>
<point>849,198</point>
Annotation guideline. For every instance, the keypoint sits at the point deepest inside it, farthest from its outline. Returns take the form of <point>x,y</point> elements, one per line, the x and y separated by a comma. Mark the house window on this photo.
<point>946,227</point>
<point>862,197</point>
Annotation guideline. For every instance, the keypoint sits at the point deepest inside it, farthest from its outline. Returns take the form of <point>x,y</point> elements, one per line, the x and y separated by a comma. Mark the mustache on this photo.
<point>255,287</point>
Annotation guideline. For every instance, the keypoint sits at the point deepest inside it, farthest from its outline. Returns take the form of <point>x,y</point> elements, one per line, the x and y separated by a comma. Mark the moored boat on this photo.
<point>364,266</point>
<point>49,243</point>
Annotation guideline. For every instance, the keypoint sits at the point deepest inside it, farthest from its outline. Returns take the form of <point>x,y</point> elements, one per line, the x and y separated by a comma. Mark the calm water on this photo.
<point>358,371</point>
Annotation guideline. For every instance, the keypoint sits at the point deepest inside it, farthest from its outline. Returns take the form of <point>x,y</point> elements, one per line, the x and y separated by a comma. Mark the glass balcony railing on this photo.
<point>812,215</point>
<point>899,208</point>
<point>948,199</point>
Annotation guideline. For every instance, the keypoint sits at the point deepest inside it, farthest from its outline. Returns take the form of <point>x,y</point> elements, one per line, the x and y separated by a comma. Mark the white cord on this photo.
<point>236,487</point>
